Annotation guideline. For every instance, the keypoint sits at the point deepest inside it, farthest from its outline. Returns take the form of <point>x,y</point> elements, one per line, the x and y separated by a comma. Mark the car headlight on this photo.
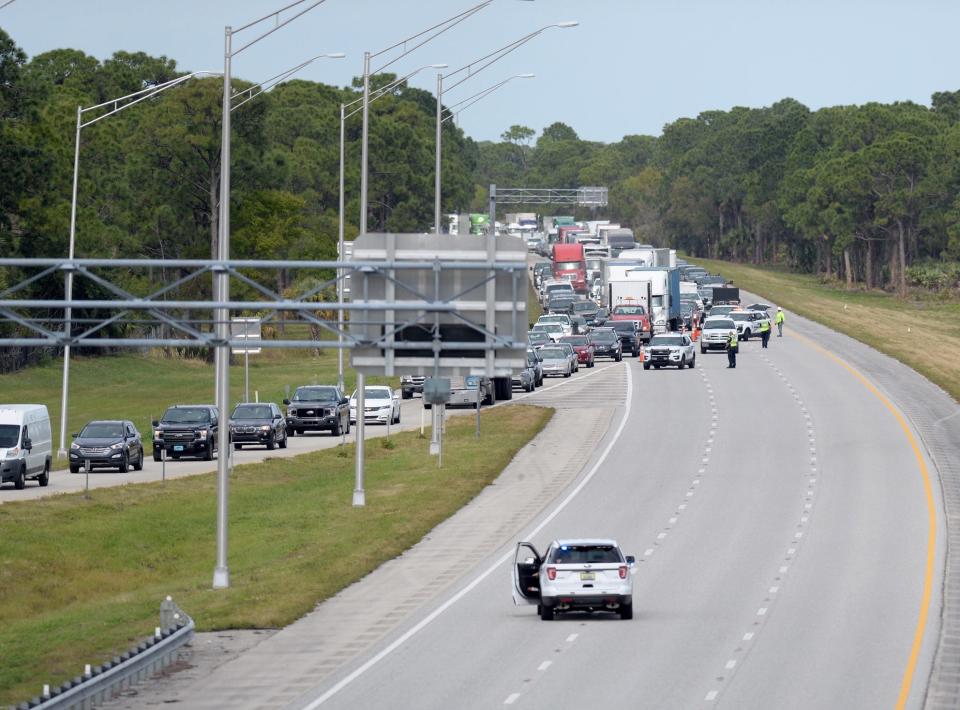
<point>202,433</point>
<point>265,427</point>
<point>12,453</point>
<point>117,446</point>
<point>74,445</point>
<point>157,433</point>
<point>291,412</point>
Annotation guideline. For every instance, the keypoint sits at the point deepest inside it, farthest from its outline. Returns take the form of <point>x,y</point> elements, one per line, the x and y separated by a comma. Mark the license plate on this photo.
<point>178,448</point>
<point>587,576</point>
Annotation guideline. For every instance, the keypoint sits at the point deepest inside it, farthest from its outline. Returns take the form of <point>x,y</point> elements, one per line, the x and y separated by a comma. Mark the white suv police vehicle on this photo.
<point>574,575</point>
<point>715,332</point>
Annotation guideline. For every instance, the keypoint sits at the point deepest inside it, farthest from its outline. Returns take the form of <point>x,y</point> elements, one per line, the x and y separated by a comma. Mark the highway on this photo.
<point>787,544</point>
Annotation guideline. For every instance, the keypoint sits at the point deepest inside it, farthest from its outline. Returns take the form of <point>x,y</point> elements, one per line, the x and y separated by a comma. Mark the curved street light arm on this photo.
<point>143,94</point>
<point>479,96</point>
<point>267,84</point>
<point>437,30</point>
<point>384,90</point>
<point>277,26</point>
<point>496,56</point>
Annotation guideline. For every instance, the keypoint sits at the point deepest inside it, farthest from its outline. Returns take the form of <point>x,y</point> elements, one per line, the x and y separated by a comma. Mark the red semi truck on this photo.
<point>570,264</point>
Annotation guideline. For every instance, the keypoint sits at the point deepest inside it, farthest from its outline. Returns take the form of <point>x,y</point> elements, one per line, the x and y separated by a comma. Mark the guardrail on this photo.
<point>101,683</point>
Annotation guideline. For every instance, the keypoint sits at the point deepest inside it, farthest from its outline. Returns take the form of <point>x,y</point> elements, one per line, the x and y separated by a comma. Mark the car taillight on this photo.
<point>551,573</point>
<point>623,572</point>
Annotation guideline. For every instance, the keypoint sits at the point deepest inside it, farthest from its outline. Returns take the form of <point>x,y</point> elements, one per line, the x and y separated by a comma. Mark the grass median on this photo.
<point>922,331</point>
<point>83,578</point>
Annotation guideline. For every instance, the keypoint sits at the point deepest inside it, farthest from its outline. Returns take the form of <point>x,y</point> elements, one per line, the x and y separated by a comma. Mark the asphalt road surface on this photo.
<point>786,528</point>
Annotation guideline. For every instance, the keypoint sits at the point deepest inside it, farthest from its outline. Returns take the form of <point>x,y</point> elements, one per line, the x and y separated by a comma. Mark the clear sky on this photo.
<point>630,67</point>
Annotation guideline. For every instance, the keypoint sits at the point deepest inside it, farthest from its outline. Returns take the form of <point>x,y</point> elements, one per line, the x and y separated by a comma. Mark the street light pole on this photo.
<point>68,287</point>
<point>340,379</point>
<point>221,573</point>
<point>436,169</point>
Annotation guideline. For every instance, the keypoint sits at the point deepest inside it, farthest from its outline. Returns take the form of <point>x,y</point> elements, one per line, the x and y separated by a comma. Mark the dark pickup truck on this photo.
<point>186,430</point>
<point>318,408</point>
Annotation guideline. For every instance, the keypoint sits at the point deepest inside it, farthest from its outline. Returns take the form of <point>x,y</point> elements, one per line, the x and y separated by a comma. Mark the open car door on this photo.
<point>526,574</point>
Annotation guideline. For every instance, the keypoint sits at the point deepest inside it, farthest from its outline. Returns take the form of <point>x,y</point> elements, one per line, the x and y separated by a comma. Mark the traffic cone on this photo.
<point>643,355</point>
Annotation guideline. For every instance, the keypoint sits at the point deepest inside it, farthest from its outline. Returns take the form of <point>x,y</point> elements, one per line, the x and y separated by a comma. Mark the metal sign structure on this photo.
<point>592,196</point>
<point>477,324</point>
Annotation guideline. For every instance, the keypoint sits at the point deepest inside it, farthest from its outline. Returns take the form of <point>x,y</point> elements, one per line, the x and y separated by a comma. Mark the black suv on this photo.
<point>186,430</point>
<point>258,423</point>
<point>629,333</point>
<point>318,408</point>
<point>107,444</point>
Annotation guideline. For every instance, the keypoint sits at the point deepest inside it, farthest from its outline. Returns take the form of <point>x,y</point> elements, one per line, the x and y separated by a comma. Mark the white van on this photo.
<point>26,444</point>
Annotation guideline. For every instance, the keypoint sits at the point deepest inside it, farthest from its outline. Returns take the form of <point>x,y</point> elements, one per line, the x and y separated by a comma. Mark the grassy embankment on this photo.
<point>84,578</point>
<point>922,331</point>
<point>140,387</point>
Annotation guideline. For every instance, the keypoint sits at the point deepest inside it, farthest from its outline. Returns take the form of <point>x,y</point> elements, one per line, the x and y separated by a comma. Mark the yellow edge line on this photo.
<point>907,682</point>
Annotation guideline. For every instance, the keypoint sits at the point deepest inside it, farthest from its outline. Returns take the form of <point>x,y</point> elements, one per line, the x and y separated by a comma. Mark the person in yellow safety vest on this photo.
<point>765,332</point>
<point>781,316</point>
<point>732,348</point>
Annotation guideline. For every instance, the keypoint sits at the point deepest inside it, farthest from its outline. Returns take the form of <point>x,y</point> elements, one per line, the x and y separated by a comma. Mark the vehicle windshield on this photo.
<point>584,307</point>
<point>630,311</point>
<point>187,415</point>
<point>559,287</point>
<point>252,411</point>
<point>567,265</point>
<point>9,435</point>
<point>553,354</point>
<point>314,394</point>
<point>667,340</point>
<point>742,316</point>
<point>627,326</point>
<point>553,319</point>
<point>537,336</point>
<point>607,336</point>
<point>531,359</point>
<point>552,327</point>
<point>373,393</point>
<point>576,339</point>
<point>719,324</point>
<point>584,554</point>
<point>102,430</point>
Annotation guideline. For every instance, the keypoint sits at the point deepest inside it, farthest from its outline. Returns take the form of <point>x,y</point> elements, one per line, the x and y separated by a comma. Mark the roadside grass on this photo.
<point>922,331</point>
<point>83,579</point>
<point>139,387</point>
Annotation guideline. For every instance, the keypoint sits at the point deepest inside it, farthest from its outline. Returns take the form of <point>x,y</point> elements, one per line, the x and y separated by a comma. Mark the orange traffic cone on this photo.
<point>643,355</point>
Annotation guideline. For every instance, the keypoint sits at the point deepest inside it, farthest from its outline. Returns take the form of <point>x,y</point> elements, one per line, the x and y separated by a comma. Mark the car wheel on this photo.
<point>619,357</point>
<point>682,364</point>
<point>336,429</point>
<point>44,478</point>
<point>546,612</point>
<point>237,447</point>
<point>176,457</point>
<point>298,432</point>
<point>272,444</point>
<point>693,361</point>
<point>591,363</point>
<point>138,466</point>
<point>567,374</point>
<point>626,611</point>
<point>397,420</point>
<point>124,465</point>
<point>347,431</point>
<point>283,441</point>
<point>20,482</point>
<point>646,366</point>
<point>156,457</point>
<point>208,452</point>
<point>406,395</point>
<point>74,469</point>
<point>703,350</point>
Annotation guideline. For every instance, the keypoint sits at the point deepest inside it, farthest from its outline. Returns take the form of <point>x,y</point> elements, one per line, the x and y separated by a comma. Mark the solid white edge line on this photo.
<point>423,623</point>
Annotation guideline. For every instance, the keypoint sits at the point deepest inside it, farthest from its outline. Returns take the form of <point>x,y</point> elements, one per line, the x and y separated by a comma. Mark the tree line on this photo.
<point>864,193</point>
<point>869,194</point>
